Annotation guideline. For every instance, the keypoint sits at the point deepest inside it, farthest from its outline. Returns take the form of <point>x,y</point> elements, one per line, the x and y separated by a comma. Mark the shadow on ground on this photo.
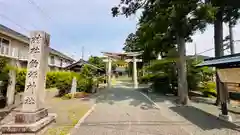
<point>199,118</point>
<point>133,97</point>
<point>195,115</point>
<point>125,84</point>
<point>3,114</point>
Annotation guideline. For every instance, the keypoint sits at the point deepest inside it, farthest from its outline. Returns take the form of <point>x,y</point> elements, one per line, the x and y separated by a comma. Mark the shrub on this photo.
<point>67,96</point>
<point>147,78</point>
<point>101,79</point>
<point>20,80</point>
<point>4,77</point>
<point>161,84</point>
<point>62,80</point>
<point>51,79</point>
<point>209,89</point>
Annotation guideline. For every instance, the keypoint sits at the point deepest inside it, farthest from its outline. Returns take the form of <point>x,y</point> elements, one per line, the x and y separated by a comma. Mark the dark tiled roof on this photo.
<point>228,59</point>
<point>26,39</point>
<point>82,62</point>
<point>55,52</point>
<point>201,57</point>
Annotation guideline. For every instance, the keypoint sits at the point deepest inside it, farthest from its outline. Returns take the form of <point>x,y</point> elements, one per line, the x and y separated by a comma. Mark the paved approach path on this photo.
<point>124,111</point>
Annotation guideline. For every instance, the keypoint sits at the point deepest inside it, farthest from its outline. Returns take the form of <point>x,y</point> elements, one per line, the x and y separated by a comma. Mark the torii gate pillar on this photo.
<point>109,72</point>
<point>135,76</point>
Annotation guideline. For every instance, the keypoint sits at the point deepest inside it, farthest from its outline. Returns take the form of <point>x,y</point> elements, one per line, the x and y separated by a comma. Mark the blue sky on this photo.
<point>76,23</point>
<point>71,24</point>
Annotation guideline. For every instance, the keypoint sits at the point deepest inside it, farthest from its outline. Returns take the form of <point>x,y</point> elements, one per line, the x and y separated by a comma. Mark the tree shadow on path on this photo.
<point>196,116</point>
<point>202,119</point>
<point>126,95</point>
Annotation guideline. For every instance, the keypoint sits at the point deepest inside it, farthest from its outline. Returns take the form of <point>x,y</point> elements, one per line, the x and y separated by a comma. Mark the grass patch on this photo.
<point>52,89</point>
<point>64,130</point>
<point>68,114</point>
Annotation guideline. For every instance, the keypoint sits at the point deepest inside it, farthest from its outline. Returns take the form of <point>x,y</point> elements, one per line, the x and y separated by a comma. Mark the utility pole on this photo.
<point>82,52</point>
<point>231,37</point>
<point>195,51</point>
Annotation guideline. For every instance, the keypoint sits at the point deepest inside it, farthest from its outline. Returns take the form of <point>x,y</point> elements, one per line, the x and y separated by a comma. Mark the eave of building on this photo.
<point>80,63</point>
<point>224,60</point>
<point>14,37</point>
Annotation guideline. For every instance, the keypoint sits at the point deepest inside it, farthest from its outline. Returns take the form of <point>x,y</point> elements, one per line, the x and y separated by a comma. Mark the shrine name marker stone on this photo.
<point>33,117</point>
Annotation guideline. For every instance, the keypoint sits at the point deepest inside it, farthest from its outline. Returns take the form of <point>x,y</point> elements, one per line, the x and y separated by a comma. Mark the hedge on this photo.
<point>59,79</point>
<point>20,80</point>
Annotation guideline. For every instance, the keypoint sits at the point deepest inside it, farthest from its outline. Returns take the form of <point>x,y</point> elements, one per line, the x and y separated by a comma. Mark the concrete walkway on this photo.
<point>198,118</point>
<point>124,111</point>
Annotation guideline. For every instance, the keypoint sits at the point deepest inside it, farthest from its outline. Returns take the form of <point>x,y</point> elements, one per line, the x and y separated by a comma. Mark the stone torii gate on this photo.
<point>127,56</point>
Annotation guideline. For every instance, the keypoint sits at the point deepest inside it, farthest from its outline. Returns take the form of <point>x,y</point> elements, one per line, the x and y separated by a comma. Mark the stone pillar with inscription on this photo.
<point>33,118</point>
<point>11,84</point>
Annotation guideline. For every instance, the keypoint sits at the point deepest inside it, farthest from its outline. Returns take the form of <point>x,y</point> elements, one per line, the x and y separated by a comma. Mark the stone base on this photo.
<point>30,117</point>
<point>225,117</point>
<point>36,128</point>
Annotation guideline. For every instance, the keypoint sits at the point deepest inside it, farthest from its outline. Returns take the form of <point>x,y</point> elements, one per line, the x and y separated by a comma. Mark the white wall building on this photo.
<point>15,45</point>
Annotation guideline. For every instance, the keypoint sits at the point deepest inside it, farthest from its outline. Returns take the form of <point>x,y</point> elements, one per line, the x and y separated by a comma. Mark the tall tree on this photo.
<point>175,21</point>
<point>226,12</point>
<point>231,15</point>
<point>97,61</point>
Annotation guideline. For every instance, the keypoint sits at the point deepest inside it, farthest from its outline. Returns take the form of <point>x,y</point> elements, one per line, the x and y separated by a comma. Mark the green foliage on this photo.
<point>97,61</point>
<point>194,75</point>
<point>87,71</point>
<point>20,80</point>
<point>67,96</point>
<point>209,89</point>
<point>4,77</point>
<point>101,79</point>
<point>164,75</point>
<point>161,82</point>
<point>147,78</point>
<point>162,21</point>
<point>62,80</point>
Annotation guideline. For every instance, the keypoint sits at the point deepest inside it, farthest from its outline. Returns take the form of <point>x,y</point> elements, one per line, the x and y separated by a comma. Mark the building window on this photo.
<point>4,44</point>
<point>52,60</point>
<point>61,62</point>
<point>67,63</point>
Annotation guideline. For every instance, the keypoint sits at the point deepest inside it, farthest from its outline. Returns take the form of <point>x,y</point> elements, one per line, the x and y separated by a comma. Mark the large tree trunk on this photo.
<point>182,72</point>
<point>231,37</point>
<point>218,39</point>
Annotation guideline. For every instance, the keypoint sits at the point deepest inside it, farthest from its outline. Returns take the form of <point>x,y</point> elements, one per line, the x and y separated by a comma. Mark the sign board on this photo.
<point>229,75</point>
